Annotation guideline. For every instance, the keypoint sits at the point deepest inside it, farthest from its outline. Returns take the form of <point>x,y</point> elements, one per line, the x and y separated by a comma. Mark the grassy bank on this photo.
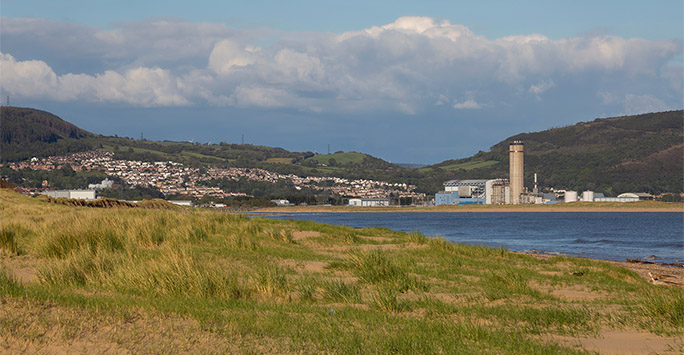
<point>641,206</point>
<point>147,280</point>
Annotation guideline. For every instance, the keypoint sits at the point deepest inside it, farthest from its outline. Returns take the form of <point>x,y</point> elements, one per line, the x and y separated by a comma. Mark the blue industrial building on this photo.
<point>452,198</point>
<point>473,192</point>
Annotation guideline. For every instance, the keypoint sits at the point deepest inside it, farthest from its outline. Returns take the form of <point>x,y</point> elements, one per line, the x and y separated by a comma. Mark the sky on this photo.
<point>406,81</point>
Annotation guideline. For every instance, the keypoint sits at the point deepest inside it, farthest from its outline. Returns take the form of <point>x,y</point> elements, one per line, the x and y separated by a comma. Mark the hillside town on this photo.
<point>173,178</point>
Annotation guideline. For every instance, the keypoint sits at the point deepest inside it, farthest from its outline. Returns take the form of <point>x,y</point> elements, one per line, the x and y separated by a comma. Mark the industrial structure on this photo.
<point>75,194</point>
<point>473,192</point>
<point>515,157</point>
<point>513,191</point>
<point>626,197</point>
<point>494,191</point>
<point>369,202</point>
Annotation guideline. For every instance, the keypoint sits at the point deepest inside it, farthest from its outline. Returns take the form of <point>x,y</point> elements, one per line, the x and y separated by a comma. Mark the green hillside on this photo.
<point>339,158</point>
<point>27,132</point>
<point>612,155</point>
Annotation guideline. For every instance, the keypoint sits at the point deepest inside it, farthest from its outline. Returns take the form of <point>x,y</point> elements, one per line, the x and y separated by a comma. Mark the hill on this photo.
<point>28,132</point>
<point>26,125</point>
<point>31,133</point>
<point>611,155</point>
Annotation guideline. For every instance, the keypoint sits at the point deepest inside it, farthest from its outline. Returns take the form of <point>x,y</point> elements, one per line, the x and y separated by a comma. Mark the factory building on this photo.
<point>473,192</point>
<point>75,194</point>
<point>368,202</point>
<point>515,156</point>
<point>513,191</point>
<point>626,197</point>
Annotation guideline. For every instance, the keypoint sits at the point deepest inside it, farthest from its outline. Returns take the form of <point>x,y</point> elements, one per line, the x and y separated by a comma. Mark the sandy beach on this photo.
<point>644,206</point>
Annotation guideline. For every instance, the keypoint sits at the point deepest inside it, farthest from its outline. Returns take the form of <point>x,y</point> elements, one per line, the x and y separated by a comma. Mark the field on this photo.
<point>470,165</point>
<point>341,158</point>
<point>84,279</point>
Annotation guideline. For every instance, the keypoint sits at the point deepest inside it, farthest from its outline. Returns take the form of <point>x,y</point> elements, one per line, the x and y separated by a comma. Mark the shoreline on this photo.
<point>634,264</point>
<point>645,206</point>
<point>656,274</point>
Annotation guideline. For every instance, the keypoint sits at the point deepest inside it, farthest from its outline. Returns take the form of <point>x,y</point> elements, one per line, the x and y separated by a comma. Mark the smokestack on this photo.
<point>515,157</point>
<point>536,190</point>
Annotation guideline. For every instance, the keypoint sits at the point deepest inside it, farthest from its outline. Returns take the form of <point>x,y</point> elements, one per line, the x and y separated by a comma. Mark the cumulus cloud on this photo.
<point>541,87</point>
<point>467,104</point>
<point>228,56</point>
<point>405,66</point>
<point>139,86</point>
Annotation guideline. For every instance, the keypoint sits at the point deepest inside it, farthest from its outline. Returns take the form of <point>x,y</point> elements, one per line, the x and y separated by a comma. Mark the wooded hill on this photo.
<point>642,153</point>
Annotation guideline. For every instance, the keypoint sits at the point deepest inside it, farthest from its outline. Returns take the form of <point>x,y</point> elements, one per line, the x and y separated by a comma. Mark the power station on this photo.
<point>515,157</point>
<point>493,191</point>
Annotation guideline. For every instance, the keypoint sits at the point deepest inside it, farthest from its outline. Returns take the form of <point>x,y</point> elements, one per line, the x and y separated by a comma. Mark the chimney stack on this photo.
<point>515,156</point>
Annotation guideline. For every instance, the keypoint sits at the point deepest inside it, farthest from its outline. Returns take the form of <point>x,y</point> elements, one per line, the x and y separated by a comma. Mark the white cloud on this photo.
<point>140,86</point>
<point>467,104</point>
<point>228,55</point>
<point>541,87</point>
<point>299,66</point>
<point>27,78</point>
<point>404,66</point>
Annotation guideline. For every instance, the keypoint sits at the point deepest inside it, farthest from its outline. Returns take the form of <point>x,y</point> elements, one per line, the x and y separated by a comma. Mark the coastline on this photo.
<point>656,274</point>
<point>642,206</point>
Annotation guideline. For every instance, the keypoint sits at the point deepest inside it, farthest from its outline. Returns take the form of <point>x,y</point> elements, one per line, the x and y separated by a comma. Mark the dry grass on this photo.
<point>157,280</point>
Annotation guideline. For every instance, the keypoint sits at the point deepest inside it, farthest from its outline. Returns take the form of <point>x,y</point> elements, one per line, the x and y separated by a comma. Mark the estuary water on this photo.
<point>654,236</point>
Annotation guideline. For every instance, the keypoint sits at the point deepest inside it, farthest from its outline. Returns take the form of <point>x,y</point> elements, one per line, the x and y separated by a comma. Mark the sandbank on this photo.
<point>642,206</point>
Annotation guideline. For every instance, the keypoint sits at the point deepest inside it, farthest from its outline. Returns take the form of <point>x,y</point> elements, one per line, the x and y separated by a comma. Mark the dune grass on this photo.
<point>260,285</point>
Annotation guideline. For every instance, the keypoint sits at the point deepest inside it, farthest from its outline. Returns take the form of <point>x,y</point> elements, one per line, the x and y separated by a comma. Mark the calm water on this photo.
<point>608,236</point>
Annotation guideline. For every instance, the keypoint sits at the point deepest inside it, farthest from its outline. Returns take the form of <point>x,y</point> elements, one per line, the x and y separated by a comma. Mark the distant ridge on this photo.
<point>26,132</point>
<point>22,125</point>
<point>411,165</point>
<point>641,153</point>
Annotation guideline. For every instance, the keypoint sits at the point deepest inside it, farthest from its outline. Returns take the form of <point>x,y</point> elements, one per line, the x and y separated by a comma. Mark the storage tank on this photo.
<point>588,196</point>
<point>515,157</point>
<point>570,196</point>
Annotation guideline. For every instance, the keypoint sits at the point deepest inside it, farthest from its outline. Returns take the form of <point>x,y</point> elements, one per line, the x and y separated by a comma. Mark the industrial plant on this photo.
<point>502,191</point>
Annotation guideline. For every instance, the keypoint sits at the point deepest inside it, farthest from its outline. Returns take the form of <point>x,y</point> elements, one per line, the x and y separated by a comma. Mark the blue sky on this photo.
<point>406,81</point>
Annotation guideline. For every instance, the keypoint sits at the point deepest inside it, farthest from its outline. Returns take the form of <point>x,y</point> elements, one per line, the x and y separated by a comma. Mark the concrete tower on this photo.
<point>515,157</point>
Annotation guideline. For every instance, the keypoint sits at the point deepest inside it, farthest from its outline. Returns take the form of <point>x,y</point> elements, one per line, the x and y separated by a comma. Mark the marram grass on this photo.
<point>268,286</point>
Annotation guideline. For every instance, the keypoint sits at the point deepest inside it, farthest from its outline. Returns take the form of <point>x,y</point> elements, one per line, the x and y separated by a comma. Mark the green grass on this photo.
<point>470,165</point>
<point>8,284</point>
<point>199,155</point>
<point>260,285</point>
<point>279,160</point>
<point>9,235</point>
<point>341,158</point>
